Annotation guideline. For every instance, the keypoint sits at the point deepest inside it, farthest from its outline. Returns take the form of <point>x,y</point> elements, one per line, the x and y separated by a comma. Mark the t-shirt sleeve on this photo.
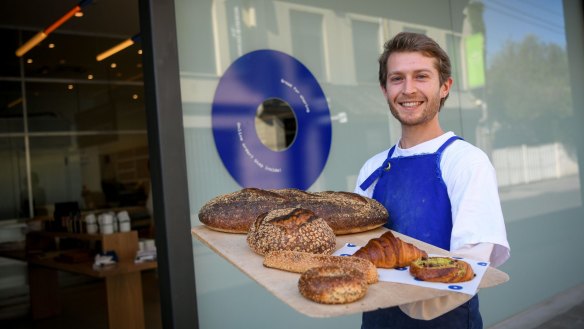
<point>476,208</point>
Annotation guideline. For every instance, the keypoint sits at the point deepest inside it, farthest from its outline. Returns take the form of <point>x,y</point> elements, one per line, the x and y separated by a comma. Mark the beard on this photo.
<point>430,109</point>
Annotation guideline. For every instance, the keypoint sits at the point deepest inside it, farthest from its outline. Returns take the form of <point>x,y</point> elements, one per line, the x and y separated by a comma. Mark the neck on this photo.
<point>414,135</point>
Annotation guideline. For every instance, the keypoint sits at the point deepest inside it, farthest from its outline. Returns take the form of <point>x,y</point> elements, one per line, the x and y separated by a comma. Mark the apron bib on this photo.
<point>415,195</point>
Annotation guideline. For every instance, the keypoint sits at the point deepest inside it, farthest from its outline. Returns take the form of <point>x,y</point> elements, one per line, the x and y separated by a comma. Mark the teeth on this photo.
<point>411,104</point>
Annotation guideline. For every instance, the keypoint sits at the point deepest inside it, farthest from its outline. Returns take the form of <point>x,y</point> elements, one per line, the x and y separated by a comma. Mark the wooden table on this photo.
<point>283,285</point>
<point>123,280</point>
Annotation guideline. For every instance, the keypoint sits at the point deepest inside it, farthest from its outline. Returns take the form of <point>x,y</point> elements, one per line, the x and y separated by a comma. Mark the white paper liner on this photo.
<point>402,275</point>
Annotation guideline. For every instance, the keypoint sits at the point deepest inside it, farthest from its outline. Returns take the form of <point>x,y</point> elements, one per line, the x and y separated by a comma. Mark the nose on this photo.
<point>409,86</point>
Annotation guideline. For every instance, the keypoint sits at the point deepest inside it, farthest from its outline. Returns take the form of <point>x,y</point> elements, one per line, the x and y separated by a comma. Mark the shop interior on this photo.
<point>75,167</point>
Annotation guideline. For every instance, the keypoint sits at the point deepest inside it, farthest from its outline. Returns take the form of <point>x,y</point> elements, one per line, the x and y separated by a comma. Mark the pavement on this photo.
<point>572,319</point>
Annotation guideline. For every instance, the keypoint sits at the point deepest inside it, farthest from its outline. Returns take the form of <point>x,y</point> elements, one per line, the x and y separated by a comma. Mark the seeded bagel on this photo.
<point>332,284</point>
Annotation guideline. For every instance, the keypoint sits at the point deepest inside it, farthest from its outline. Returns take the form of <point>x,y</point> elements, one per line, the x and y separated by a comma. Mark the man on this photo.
<point>436,187</point>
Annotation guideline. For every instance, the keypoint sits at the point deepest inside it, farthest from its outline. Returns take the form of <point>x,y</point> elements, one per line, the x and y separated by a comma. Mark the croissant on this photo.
<point>387,251</point>
<point>441,269</point>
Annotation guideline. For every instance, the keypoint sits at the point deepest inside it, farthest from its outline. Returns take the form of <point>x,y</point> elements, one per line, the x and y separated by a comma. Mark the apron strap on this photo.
<point>375,174</point>
<point>448,142</point>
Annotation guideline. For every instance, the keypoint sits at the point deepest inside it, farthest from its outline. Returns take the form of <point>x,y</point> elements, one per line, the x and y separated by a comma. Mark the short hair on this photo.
<point>415,42</point>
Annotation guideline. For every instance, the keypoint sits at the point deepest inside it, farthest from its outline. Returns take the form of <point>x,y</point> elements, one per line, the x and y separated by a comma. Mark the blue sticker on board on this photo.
<point>455,287</point>
<point>249,81</point>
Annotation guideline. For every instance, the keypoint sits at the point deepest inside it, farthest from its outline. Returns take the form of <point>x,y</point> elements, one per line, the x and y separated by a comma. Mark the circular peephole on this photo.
<point>275,124</point>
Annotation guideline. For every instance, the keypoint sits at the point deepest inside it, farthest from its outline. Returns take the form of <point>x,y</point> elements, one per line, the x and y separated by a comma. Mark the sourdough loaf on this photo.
<point>291,229</point>
<point>343,211</point>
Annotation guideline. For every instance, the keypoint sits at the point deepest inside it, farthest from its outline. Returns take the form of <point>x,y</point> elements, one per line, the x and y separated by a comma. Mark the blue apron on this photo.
<point>416,198</point>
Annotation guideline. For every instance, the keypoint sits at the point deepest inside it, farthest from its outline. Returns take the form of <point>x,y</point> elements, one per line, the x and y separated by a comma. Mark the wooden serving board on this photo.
<point>284,285</point>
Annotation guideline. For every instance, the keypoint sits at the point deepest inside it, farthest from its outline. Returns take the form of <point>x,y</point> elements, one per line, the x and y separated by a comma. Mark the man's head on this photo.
<point>415,42</point>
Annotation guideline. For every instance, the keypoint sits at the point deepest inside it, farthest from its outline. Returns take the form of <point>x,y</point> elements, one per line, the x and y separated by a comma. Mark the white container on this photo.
<point>91,228</point>
<point>149,245</point>
<point>106,219</point>
<point>141,245</point>
<point>90,219</point>
<point>107,228</point>
<point>125,227</point>
<point>123,216</point>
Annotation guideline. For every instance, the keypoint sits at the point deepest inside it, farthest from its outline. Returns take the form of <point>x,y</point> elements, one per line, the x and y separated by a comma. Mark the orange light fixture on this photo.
<point>117,48</point>
<point>42,35</point>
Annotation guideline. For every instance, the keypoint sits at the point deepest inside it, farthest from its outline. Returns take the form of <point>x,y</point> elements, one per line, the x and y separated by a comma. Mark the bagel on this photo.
<point>332,284</point>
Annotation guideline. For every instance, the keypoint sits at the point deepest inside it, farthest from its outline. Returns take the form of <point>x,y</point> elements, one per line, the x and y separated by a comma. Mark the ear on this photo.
<point>445,88</point>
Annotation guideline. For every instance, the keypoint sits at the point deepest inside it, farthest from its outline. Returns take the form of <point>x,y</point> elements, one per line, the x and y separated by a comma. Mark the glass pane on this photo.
<point>307,40</point>
<point>81,107</point>
<point>366,48</point>
<point>529,119</point>
<point>110,172</point>
<point>515,95</point>
<point>14,192</point>
<point>10,64</point>
<point>11,112</point>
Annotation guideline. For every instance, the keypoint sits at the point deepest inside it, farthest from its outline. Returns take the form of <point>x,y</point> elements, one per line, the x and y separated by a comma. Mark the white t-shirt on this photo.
<point>478,227</point>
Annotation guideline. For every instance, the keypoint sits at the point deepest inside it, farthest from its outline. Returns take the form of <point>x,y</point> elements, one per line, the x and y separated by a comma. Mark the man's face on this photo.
<point>413,89</point>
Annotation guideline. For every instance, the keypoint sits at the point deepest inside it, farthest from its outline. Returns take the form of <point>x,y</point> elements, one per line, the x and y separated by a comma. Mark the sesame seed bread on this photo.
<point>291,229</point>
<point>332,284</point>
<point>300,262</point>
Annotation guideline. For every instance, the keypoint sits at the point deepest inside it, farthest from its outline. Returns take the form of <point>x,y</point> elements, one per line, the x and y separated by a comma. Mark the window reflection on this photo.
<point>512,95</point>
<point>110,174</point>
<point>66,137</point>
<point>529,117</point>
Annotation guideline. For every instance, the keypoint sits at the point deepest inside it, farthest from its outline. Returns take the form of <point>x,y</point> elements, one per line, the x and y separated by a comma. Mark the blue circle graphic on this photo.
<point>455,287</point>
<point>250,80</point>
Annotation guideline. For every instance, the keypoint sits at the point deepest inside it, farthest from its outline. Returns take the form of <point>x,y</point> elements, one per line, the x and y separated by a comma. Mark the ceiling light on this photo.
<point>113,65</point>
<point>15,102</point>
<point>29,61</point>
<point>90,77</point>
<point>51,45</point>
<point>70,87</point>
<point>41,35</point>
<point>79,14</point>
<point>119,47</point>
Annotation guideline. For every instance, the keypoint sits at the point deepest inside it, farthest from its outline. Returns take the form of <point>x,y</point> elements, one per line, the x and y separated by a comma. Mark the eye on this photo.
<point>395,78</point>
<point>422,76</point>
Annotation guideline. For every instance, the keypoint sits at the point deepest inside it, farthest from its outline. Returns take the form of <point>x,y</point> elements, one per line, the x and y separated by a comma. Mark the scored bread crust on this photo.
<point>332,284</point>
<point>441,269</point>
<point>291,229</point>
<point>300,262</point>
<point>345,212</point>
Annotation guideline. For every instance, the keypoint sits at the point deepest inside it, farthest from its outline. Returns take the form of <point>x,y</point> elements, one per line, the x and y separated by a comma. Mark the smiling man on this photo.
<point>436,187</point>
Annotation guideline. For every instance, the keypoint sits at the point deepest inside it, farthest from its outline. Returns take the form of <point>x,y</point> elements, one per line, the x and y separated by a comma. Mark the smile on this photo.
<point>410,104</point>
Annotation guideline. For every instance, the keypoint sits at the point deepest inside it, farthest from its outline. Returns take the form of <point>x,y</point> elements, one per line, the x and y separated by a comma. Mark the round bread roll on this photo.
<point>332,284</point>
<point>293,229</point>
<point>441,269</point>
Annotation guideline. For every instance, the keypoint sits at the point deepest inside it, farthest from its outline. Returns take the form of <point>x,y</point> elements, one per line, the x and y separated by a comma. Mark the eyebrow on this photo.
<point>415,71</point>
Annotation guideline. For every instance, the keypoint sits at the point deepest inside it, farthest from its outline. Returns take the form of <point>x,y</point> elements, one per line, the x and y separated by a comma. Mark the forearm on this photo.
<point>432,308</point>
